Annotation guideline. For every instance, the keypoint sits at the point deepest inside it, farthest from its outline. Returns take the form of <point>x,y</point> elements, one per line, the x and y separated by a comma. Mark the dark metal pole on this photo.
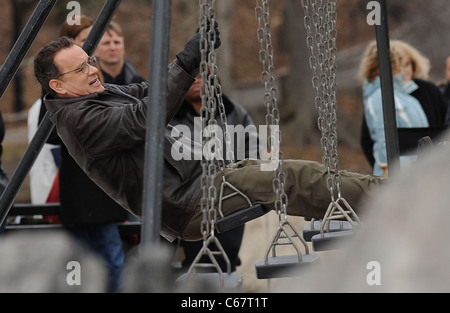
<point>101,24</point>
<point>387,88</point>
<point>24,166</point>
<point>23,43</point>
<point>18,77</point>
<point>46,126</point>
<point>7,72</point>
<point>154,146</point>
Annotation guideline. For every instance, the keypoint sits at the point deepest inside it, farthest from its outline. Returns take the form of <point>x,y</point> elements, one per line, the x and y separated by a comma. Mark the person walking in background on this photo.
<point>189,115</point>
<point>409,111</point>
<point>415,72</point>
<point>115,69</point>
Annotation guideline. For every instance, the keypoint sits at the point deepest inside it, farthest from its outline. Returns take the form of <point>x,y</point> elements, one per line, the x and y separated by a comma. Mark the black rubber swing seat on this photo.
<point>313,228</point>
<point>241,217</point>
<point>284,265</point>
<point>331,240</point>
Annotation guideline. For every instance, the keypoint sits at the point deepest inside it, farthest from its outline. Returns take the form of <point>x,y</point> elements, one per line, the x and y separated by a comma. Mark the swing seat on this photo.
<point>313,228</point>
<point>284,265</point>
<point>232,282</point>
<point>330,240</point>
<point>241,217</point>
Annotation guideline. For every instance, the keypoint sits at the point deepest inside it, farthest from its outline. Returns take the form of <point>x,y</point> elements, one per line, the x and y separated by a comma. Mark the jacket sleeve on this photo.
<point>178,84</point>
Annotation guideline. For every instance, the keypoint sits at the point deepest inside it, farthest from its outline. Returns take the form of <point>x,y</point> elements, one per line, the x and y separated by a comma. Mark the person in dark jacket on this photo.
<point>444,88</point>
<point>427,93</point>
<point>86,210</point>
<point>189,115</point>
<point>104,128</point>
<point>115,69</point>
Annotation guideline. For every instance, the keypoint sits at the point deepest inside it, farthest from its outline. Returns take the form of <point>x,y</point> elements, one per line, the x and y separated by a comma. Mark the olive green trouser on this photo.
<point>305,187</point>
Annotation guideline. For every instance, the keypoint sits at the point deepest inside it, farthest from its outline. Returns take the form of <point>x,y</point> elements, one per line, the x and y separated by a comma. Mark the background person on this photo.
<point>115,69</point>
<point>189,115</point>
<point>409,111</point>
<point>110,54</point>
<point>417,68</point>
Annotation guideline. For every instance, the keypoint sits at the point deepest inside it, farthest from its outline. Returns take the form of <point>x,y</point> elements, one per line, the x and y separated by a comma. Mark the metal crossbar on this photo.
<point>27,209</point>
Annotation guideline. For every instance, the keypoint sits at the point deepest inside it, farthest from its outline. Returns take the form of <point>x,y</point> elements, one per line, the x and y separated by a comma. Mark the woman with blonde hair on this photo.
<point>414,68</point>
<point>418,63</point>
<point>408,110</point>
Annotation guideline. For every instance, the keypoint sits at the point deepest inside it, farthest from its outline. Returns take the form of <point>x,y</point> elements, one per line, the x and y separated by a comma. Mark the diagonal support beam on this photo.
<point>23,43</point>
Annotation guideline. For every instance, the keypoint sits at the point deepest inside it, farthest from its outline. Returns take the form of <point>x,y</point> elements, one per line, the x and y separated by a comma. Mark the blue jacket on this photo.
<point>409,113</point>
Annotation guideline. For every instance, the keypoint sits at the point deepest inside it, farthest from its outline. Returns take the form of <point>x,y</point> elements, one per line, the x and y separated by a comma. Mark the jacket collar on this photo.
<point>53,104</point>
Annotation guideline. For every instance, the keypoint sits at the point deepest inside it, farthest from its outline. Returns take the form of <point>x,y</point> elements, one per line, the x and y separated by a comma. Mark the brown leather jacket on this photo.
<point>105,134</point>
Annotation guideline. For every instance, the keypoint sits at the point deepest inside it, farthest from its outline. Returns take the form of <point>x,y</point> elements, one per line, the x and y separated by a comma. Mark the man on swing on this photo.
<point>104,127</point>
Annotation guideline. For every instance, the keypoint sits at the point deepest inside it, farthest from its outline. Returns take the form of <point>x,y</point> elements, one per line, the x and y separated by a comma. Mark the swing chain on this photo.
<point>264,36</point>
<point>212,106</point>
<point>211,89</point>
<point>212,156</point>
<point>320,17</point>
<point>208,112</point>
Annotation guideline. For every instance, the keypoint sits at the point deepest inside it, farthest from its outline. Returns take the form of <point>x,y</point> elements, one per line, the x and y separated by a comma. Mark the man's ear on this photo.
<point>57,86</point>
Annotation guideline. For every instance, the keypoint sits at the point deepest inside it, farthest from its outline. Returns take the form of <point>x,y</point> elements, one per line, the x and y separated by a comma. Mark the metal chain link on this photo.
<point>208,112</point>
<point>264,36</point>
<point>212,105</point>
<point>320,23</point>
<point>212,160</point>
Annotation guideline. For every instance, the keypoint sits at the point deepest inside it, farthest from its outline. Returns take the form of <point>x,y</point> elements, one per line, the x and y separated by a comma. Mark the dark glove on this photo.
<point>191,55</point>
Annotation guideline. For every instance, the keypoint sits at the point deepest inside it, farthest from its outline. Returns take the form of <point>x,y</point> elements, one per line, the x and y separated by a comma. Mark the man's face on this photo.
<point>111,49</point>
<point>75,83</point>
